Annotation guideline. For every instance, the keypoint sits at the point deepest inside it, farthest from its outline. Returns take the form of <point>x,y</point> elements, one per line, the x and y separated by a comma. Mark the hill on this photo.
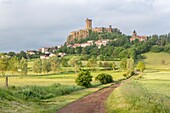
<point>78,36</point>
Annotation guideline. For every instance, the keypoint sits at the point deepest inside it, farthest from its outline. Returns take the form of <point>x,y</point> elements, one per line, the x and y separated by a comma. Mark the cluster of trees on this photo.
<point>128,65</point>
<point>84,78</point>
<point>13,65</point>
<point>45,66</point>
<point>23,54</point>
<point>157,48</point>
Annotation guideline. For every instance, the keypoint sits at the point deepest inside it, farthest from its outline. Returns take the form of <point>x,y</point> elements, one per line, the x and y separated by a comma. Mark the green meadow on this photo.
<point>44,93</point>
<point>148,92</point>
<point>154,61</point>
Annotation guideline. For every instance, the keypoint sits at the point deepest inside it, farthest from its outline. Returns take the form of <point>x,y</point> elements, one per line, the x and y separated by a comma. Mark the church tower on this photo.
<point>88,23</point>
<point>134,34</point>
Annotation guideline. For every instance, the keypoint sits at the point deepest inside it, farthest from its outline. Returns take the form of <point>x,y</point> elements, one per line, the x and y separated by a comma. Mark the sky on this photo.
<point>32,24</point>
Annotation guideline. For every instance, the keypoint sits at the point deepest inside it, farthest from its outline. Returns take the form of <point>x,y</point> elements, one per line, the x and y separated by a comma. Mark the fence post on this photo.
<point>7,81</point>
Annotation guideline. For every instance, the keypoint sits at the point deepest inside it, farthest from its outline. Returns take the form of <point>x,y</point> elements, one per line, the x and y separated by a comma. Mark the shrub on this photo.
<point>100,64</point>
<point>104,78</point>
<point>84,79</point>
<point>125,74</point>
<point>157,49</point>
<point>128,74</point>
<point>131,73</point>
<point>141,66</point>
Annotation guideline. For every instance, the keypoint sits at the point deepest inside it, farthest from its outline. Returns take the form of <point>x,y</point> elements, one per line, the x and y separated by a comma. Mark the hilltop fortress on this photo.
<point>83,33</point>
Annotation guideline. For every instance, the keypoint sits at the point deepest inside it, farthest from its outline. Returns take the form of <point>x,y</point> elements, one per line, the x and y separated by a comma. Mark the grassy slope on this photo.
<point>153,61</point>
<point>150,94</point>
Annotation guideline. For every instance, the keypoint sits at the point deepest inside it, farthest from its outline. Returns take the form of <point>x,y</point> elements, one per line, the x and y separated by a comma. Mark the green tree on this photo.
<point>106,65</point>
<point>84,51</point>
<point>157,48</point>
<point>104,78</point>
<point>55,64</point>
<point>92,63</point>
<point>141,66</point>
<point>22,54</point>
<point>46,66</point>
<point>3,64</point>
<point>84,79</point>
<point>13,64</point>
<point>113,65</point>
<point>123,54</point>
<point>100,64</point>
<point>130,64</point>
<point>37,66</point>
<point>123,63</point>
<point>64,62</point>
<point>23,66</point>
<point>76,63</point>
<point>11,54</point>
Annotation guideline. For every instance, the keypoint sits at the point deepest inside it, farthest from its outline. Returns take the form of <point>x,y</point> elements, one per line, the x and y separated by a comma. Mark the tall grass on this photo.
<point>132,97</point>
<point>41,92</point>
<point>34,98</point>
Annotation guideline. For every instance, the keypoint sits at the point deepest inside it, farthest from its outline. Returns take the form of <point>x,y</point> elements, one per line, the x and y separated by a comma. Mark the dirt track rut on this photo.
<point>93,103</point>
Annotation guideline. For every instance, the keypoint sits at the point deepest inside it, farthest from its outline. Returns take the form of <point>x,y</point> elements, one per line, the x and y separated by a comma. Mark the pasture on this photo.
<point>37,89</point>
<point>146,93</point>
<point>48,79</point>
<point>155,61</point>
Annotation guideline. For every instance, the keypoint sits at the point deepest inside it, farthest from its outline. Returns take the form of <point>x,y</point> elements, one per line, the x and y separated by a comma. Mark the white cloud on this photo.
<point>37,23</point>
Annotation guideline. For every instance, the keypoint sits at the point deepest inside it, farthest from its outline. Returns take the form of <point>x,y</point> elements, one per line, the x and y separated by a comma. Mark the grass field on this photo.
<point>45,80</point>
<point>154,61</point>
<point>21,100</point>
<point>147,93</point>
<point>36,92</point>
<point>45,100</point>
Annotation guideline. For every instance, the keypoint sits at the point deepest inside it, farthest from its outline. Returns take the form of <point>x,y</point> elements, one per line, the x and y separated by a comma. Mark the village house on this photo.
<point>99,43</point>
<point>49,49</point>
<point>44,49</point>
<point>52,55</point>
<point>43,57</point>
<point>140,38</point>
<point>47,56</point>
<point>31,52</point>
<point>76,45</point>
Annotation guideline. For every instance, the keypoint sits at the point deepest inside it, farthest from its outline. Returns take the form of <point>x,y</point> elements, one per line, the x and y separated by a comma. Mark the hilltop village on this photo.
<point>75,36</point>
<point>84,33</point>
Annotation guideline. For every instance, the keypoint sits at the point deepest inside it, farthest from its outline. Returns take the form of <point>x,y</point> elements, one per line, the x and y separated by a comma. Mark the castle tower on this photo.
<point>134,33</point>
<point>110,29</point>
<point>88,23</point>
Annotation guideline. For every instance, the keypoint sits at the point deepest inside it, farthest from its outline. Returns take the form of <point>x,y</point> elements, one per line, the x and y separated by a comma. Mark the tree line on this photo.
<point>13,65</point>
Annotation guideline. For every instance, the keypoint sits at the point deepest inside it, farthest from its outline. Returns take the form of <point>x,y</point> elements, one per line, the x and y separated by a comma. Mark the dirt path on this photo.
<point>93,103</point>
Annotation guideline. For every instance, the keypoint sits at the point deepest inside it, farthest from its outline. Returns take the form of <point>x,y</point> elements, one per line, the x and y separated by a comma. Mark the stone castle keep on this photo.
<point>83,33</point>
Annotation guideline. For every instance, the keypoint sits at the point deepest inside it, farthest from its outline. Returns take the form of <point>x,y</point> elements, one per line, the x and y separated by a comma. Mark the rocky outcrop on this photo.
<point>84,33</point>
<point>77,35</point>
